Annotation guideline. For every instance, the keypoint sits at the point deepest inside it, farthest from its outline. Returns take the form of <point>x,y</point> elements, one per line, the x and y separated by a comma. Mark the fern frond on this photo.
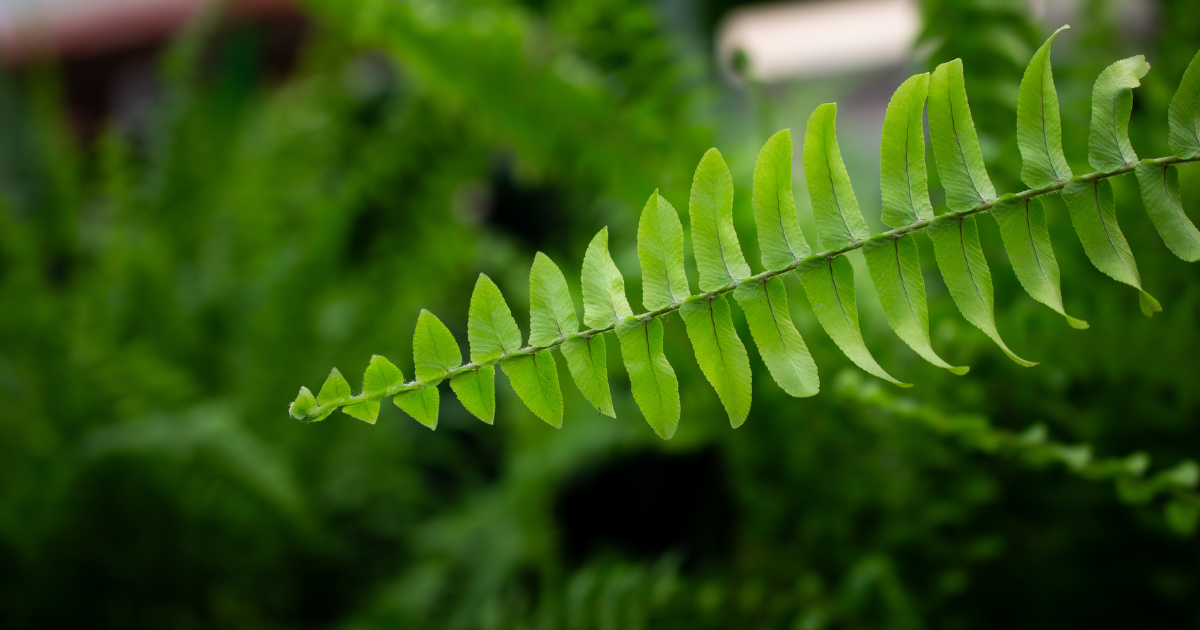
<point>827,276</point>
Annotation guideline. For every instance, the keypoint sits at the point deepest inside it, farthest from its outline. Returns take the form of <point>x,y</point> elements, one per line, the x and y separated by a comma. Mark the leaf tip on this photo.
<point>1149,305</point>
<point>1076,323</point>
<point>959,370</point>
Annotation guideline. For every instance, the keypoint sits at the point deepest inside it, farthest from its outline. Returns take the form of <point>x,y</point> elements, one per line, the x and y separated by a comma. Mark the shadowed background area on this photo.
<point>206,205</point>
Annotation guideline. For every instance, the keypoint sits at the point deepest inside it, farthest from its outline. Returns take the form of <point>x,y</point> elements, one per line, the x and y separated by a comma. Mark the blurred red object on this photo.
<point>32,29</point>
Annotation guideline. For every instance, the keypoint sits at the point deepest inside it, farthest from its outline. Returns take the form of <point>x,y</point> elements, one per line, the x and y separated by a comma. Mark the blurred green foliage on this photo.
<point>169,282</point>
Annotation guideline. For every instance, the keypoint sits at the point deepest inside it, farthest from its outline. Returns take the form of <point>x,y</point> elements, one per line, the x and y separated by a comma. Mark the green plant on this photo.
<point>827,277</point>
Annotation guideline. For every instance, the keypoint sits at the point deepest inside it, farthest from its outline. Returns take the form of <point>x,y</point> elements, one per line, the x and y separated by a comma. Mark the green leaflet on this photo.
<point>1039,130</point>
<point>829,284</point>
<point>779,235</point>
<point>304,403</point>
<point>604,302</point>
<point>720,353</point>
<point>491,329</point>
<point>1112,101</point>
<point>839,221</point>
<point>1160,195</point>
<point>435,352</point>
<point>1094,214</point>
<point>714,241</point>
<point>535,379</point>
<point>367,411</point>
<point>381,375</point>
<point>895,266</point>
<point>660,251</point>
<point>1183,116</point>
<point>587,358</point>
<point>476,390</point>
<point>421,404</point>
<point>1027,241</point>
<point>655,388</point>
<point>903,180</point>
<point>333,392</point>
<point>780,344</point>
<point>955,145</point>
<point>551,309</point>
<point>965,270</point>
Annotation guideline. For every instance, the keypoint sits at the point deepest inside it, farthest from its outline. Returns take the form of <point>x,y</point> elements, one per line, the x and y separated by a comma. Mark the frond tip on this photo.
<point>827,277</point>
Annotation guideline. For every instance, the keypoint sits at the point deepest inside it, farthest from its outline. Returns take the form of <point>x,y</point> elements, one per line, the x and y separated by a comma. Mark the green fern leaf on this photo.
<point>955,144</point>
<point>653,382</point>
<point>829,283</point>
<point>305,402</point>
<point>1027,241</point>
<point>551,309</point>
<point>1112,101</point>
<point>965,270</point>
<point>435,352</point>
<point>380,376</point>
<point>1039,130</point>
<point>587,359</point>
<point>839,221</point>
<point>367,411</point>
<point>714,241</point>
<point>895,266</point>
<point>604,302</point>
<point>1093,212</point>
<point>660,251</point>
<point>1160,195</point>
<point>535,379</point>
<point>421,404</point>
<point>476,390</point>
<point>1184,113</point>
<point>491,330</point>
<point>720,353</point>
<point>903,180</point>
<point>334,390</point>
<point>780,344</point>
<point>779,237</point>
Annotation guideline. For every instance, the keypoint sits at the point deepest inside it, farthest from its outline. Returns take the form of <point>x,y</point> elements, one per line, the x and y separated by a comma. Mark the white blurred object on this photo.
<point>811,38</point>
<point>32,28</point>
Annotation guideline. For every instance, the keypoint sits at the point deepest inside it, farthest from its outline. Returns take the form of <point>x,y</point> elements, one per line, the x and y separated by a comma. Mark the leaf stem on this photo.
<point>319,411</point>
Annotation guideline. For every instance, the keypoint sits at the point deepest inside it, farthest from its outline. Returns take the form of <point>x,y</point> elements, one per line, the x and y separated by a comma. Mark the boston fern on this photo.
<point>827,276</point>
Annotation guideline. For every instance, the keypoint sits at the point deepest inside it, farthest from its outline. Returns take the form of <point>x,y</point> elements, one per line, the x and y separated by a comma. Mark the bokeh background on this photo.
<point>204,206</point>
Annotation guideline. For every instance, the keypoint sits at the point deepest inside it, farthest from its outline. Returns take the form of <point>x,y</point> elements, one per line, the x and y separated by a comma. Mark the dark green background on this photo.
<point>170,276</point>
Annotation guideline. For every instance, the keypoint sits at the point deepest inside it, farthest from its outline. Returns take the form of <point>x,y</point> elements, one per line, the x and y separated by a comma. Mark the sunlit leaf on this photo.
<point>476,390</point>
<point>1160,194</point>
<point>1093,210</point>
<point>839,221</point>
<point>895,266</point>
<point>829,284</point>
<point>904,183</point>
<point>1183,117</point>
<point>587,359</point>
<point>780,344</point>
<point>779,237</point>
<point>551,309</point>
<point>660,252</point>
<point>720,353</point>
<point>491,329</point>
<point>1112,101</point>
<point>604,302</point>
<point>955,144</point>
<point>655,387</point>
<point>1027,240</point>
<point>535,379</point>
<point>965,270</point>
<point>714,241</point>
<point>1039,130</point>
